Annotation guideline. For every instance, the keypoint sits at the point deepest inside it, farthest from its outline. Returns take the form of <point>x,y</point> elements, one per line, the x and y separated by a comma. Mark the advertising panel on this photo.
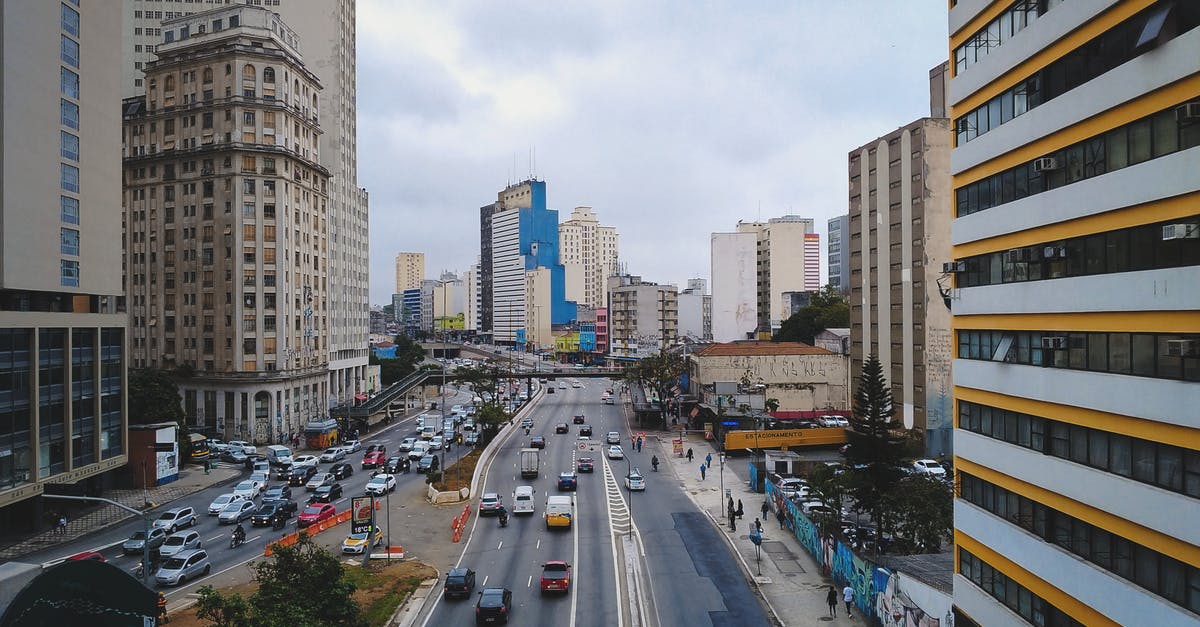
<point>779,438</point>
<point>363,510</point>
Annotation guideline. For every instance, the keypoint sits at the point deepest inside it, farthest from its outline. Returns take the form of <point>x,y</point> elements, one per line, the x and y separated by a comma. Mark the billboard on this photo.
<point>362,513</point>
<point>781,438</point>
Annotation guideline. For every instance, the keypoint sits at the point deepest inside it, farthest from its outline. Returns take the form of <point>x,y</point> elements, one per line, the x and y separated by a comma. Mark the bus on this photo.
<point>199,444</point>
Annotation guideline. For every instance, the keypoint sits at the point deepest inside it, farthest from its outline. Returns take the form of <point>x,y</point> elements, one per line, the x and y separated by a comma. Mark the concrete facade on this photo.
<point>589,253</point>
<point>788,260</point>
<point>799,376</point>
<point>410,271</point>
<point>734,286</point>
<point>695,311</point>
<point>643,317</point>
<point>839,254</point>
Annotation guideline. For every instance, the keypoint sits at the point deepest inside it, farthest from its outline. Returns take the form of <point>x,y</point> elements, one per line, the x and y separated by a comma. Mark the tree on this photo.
<point>300,586</point>
<point>831,487</point>
<point>153,397</point>
<point>876,443</point>
<point>659,372</point>
<point>828,309</point>
<point>923,508</point>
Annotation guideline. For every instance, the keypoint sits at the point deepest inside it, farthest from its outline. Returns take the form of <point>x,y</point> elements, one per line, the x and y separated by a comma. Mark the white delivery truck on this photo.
<point>279,455</point>
<point>523,500</point>
<point>530,463</point>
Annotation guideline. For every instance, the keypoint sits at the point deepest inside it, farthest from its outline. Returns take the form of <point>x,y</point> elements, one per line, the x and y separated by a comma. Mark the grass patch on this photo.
<point>458,475</point>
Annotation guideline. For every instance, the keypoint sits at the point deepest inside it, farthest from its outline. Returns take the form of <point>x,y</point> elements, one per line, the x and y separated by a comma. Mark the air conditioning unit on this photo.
<point>1045,164</point>
<point>1188,112</point>
<point>1055,342</point>
<point>1183,348</point>
<point>949,267</point>
<point>1017,255</point>
<point>1180,231</point>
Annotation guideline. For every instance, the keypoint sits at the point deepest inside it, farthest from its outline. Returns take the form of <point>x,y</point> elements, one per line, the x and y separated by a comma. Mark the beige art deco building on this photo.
<point>410,271</point>
<point>588,251</point>
<point>62,315</point>
<point>227,223</point>
<point>326,30</point>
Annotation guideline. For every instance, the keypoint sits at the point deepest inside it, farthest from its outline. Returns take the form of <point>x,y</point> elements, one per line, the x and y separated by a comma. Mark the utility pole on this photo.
<point>145,514</point>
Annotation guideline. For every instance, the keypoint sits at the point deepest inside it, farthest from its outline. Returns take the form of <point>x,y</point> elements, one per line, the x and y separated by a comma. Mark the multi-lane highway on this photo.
<point>693,578</point>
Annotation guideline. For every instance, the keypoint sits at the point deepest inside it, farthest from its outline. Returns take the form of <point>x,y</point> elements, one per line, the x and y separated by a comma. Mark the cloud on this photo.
<point>671,119</point>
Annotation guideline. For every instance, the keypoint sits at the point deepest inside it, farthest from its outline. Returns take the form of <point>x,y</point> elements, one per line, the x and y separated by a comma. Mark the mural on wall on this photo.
<point>849,567</point>
<point>939,403</point>
<point>893,608</point>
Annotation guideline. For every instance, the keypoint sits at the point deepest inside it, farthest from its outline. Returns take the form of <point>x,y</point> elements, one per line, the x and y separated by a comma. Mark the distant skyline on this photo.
<point>671,120</point>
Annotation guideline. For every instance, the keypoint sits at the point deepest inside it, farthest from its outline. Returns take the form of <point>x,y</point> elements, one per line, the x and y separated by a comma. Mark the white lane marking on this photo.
<point>575,569</point>
<point>529,584</point>
<point>340,501</point>
<point>485,578</point>
<point>612,545</point>
<point>539,544</point>
<point>253,539</point>
<point>500,546</point>
<point>214,538</point>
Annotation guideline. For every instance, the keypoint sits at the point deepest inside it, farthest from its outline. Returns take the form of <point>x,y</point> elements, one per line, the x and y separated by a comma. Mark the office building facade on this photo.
<point>838,255</point>
<point>589,254</point>
<point>226,213</point>
<point>63,350</point>
<point>1076,313</point>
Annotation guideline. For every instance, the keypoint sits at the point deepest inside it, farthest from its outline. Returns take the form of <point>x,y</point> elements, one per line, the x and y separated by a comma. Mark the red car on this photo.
<point>374,459</point>
<point>556,577</point>
<point>87,555</point>
<point>315,513</point>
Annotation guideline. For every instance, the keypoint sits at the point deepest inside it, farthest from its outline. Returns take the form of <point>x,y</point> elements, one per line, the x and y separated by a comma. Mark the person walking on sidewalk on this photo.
<point>779,515</point>
<point>62,524</point>
<point>832,599</point>
<point>848,597</point>
<point>740,512</point>
<point>689,455</point>
<point>708,460</point>
<point>702,469</point>
<point>765,508</point>
<point>758,526</point>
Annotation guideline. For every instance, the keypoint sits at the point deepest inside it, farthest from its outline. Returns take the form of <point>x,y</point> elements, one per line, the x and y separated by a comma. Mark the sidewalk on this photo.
<point>191,480</point>
<point>786,576</point>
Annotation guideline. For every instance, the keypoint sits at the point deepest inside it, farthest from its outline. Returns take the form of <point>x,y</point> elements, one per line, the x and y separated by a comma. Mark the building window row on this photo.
<point>1154,26</point>
<point>1160,134</point>
<point>1160,574</point>
<point>1163,465</point>
<point>996,33</point>
<point>1169,244</point>
<point>1018,598</point>
<point>1157,355</point>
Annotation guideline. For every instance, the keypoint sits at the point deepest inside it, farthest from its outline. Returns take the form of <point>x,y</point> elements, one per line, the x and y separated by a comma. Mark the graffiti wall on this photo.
<point>905,602</point>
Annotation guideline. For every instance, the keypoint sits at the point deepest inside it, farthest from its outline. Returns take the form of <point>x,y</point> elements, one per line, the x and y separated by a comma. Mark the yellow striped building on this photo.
<point>1076,311</point>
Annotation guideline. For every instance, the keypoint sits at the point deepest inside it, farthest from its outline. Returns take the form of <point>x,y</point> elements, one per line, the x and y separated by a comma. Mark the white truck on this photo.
<point>530,463</point>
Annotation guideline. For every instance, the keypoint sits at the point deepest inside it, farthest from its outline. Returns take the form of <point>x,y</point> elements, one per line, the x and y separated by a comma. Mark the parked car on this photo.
<point>356,543</point>
<point>236,512</point>
<point>562,428</point>
<point>585,430</point>
<point>585,464</point>
<point>373,459</point>
<point>139,541</point>
<point>460,582</point>
<point>608,400</point>
<point>792,487</point>
<point>220,502</point>
<point>181,567</point>
<point>316,513</point>
<point>556,577</point>
<point>494,606</point>
<point>341,470</point>
<point>615,452</point>
<point>929,467</point>
<point>537,441</point>
<point>490,504</point>
<point>635,481</point>
<point>381,484</point>
<point>326,494</point>
<point>333,454</point>
<point>301,475</point>
<point>325,478</point>
<point>179,541</point>
<point>567,481</point>
<point>176,518</point>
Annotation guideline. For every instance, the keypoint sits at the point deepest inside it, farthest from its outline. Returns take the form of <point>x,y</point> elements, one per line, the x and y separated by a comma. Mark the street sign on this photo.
<point>362,512</point>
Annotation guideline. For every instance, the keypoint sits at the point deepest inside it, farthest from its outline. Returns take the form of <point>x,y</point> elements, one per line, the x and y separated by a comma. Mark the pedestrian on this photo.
<point>765,508</point>
<point>206,466</point>
<point>832,599</point>
<point>729,506</point>
<point>848,597</point>
<point>702,469</point>
<point>62,523</point>
<point>732,522</point>
<point>758,525</point>
<point>689,455</point>
<point>740,512</point>
<point>708,460</point>
<point>779,515</point>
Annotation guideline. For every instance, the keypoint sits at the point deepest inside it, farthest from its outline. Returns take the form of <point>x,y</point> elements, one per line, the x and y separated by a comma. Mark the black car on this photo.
<point>585,430</point>
<point>326,494</point>
<point>301,475</point>
<point>396,464</point>
<point>281,472</point>
<point>341,470</point>
<point>578,419</point>
<point>428,464</point>
<point>460,582</point>
<point>537,441</point>
<point>283,492</point>
<point>493,606</point>
<point>270,511</point>
<point>562,428</point>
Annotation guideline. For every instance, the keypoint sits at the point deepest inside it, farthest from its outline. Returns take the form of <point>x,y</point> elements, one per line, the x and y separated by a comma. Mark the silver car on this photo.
<point>220,502</point>
<point>181,567</point>
<point>236,512</point>
<point>137,541</point>
<point>179,542</point>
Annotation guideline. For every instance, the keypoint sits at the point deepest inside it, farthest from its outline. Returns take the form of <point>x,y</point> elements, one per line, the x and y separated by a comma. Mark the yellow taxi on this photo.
<point>356,543</point>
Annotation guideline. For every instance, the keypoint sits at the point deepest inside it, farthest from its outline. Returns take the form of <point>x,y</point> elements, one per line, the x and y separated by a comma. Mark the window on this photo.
<point>69,114</point>
<point>69,145</point>
<point>70,241</point>
<point>269,75</point>
<point>69,83</point>
<point>69,273</point>
<point>70,20</point>
<point>69,178</point>
<point>69,209</point>
<point>69,51</point>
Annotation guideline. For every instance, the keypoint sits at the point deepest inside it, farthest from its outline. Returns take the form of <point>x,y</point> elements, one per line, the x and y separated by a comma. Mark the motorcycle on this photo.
<point>278,523</point>
<point>503,519</point>
<point>654,464</point>
<point>236,540</point>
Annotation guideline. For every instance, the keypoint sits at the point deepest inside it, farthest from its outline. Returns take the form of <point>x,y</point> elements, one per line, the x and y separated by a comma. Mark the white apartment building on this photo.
<point>734,286</point>
<point>788,260</point>
<point>326,30</point>
<point>695,311</point>
<point>589,254</point>
<point>508,276</point>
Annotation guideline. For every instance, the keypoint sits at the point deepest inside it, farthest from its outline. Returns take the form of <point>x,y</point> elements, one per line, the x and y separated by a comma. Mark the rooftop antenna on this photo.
<point>535,162</point>
<point>513,178</point>
<point>530,161</point>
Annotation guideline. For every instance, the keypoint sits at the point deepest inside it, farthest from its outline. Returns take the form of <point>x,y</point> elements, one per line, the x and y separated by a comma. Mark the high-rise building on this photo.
<point>788,253</point>
<point>695,311</point>
<point>1076,328</point>
<point>588,252</point>
<point>734,286</point>
<point>227,229</point>
<point>899,224</point>
<point>410,271</point>
<point>326,33</point>
<point>839,254</point>
<point>471,299</point>
<point>643,317</point>
<point>62,309</point>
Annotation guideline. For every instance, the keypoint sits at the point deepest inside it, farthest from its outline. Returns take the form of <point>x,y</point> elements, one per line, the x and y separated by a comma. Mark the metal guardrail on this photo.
<point>385,398</point>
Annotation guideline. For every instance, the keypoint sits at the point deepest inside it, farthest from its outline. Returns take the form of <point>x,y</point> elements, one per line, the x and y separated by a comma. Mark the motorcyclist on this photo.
<point>239,534</point>
<point>654,462</point>
<point>503,516</point>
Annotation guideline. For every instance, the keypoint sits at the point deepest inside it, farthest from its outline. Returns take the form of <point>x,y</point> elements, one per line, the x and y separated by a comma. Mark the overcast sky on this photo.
<point>672,120</point>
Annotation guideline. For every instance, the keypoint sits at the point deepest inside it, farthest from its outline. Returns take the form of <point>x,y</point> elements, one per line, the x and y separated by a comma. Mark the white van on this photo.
<point>279,455</point>
<point>523,500</point>
<point>560,511</point>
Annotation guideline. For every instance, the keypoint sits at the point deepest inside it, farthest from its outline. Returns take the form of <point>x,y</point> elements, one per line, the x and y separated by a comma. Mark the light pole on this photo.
<point>145,514</point>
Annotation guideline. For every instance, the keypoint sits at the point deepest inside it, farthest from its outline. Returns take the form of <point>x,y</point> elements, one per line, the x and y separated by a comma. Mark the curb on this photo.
<point>407,612</point>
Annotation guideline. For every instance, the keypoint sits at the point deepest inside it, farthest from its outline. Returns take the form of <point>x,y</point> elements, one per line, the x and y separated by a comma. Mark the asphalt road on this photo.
<point>215,537</point>
<point>694,576</point>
